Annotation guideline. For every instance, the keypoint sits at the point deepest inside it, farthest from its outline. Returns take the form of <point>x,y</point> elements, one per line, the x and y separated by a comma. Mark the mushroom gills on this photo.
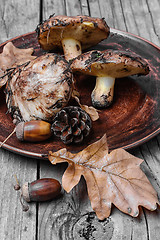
<point>39,90</point>
<point>102,94</point>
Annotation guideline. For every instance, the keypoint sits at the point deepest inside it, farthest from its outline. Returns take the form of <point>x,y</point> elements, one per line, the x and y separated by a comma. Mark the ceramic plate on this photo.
<point>134,116</point>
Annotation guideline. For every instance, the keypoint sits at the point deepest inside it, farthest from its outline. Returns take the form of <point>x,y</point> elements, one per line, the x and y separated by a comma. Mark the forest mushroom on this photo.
<point>73,34</point>
<point>39,89</point>
<point>106,66</point>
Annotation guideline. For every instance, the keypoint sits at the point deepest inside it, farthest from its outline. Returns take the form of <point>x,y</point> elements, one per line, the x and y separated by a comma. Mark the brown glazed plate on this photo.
<point>134,116</point>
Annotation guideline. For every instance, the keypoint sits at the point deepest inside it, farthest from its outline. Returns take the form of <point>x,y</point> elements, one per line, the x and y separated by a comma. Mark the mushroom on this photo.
<point>39,89</point>
<point>106,66</point>
<point>73,34</point>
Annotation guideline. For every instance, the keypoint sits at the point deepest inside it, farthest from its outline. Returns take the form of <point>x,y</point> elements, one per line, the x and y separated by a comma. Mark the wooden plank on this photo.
<point>85,8</point>
<point>58,218</point>
<point>53,7</point>
<point>149,152</point>
<point>138,19</point>
<point>14,223</point>
<point>73,8</point>
<point>16,18</point>
<point>153,8</point>
<point>113,13</point>
<point>124,15</point>
<point>94,7</point>
<point>64,7</point>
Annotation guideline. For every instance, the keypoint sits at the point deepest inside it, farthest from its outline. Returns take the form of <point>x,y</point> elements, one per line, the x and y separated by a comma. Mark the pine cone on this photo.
<point>71,124</point>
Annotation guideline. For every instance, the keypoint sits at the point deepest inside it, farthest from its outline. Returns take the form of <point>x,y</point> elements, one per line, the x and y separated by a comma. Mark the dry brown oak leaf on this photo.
<point>93,112</point>
<point>12,57</point>
<point>113,177</point>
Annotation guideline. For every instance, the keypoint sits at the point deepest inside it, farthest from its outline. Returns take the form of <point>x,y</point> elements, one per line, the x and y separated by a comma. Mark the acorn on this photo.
<point>33,131</point>
<point>43,189</point>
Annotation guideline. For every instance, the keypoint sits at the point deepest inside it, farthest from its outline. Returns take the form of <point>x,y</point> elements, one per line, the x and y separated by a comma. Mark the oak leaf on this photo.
<point>93,113</point>
<point>12,57</point>
<point>113,177</point>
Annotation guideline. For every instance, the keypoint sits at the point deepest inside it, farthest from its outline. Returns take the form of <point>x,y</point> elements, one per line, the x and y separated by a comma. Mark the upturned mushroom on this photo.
<point>72,34</point>
<point>39,89</point>
<point>106,66</point>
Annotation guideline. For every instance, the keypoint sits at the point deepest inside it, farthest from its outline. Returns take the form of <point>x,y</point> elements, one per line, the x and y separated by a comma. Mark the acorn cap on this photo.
<point>25,192</point>
<point>113,63</point>
<point>87,30</point>
<point>20,131</point>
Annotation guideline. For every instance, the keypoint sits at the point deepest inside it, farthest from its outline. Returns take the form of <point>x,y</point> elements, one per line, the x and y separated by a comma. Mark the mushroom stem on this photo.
<point>71,48</point>
<point>102,95</point>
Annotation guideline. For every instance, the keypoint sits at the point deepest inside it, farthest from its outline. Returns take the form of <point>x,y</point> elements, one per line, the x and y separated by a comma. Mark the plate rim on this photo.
<point>135,36</point>
<point>126,147</point>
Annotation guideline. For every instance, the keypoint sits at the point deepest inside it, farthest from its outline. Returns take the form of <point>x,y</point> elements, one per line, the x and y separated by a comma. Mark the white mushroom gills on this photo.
<point>71,47</point>
<point>102,94</point>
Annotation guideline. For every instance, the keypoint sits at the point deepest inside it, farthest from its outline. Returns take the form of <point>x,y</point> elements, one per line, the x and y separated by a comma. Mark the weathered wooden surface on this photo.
<point>16,17</point>
<point>71,216</point>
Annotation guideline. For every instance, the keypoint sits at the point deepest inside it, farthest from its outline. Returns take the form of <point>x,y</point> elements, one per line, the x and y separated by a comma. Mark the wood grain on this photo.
<point>15,224</point>
<point>53,7</point>
<point>71,216</point>
<point>16,18</point>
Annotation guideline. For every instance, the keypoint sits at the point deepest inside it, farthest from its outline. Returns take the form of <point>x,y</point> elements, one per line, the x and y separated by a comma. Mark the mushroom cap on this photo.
<point>113,63</point>
<point>88,30</point>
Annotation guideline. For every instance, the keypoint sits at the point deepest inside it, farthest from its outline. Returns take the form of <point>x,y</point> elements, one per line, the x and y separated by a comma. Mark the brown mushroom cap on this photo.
<point>113,63</point>
<point>87,30</point>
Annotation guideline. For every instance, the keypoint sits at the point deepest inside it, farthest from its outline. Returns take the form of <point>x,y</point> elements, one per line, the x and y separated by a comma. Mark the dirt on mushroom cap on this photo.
<point>88,30</point>
<point>114,63</point>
